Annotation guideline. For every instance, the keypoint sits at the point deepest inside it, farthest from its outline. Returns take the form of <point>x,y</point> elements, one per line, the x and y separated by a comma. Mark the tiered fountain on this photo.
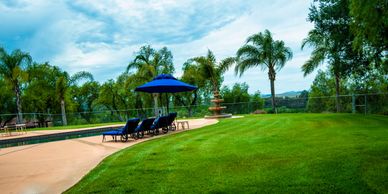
<point>217,108</point>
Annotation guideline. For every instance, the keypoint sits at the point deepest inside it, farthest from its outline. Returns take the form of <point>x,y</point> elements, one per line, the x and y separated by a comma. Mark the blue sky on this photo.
<point>101,36</point>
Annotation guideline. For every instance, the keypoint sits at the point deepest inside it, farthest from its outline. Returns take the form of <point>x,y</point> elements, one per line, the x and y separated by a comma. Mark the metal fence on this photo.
<point>353,103</point>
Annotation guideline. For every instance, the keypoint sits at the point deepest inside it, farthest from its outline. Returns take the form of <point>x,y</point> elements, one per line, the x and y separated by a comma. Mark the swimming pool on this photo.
<point>53,137</point>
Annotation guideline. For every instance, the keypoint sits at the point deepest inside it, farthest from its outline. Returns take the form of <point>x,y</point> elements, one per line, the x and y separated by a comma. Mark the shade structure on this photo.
<point>165,83</point>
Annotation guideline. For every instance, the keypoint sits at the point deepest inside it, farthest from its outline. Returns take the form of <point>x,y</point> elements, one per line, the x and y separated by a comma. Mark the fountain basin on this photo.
<point>217,100</point>
<point>217,108</point>
<point>221,116</point>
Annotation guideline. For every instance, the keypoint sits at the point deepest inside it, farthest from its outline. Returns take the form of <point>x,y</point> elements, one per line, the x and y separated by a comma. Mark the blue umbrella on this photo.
<point>165,83</point>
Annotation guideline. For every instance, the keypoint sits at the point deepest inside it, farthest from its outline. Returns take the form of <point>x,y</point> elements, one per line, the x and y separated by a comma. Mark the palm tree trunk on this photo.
<point>337,92</point>
<point>273,96</point>
<point>63,110</point>
<point>271,75</point>
<point>155,104</point>
<point>18,104</point>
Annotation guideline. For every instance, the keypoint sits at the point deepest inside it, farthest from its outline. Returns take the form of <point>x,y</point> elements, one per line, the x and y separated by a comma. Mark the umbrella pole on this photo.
<point>168,111</point>
<point>156,111</point>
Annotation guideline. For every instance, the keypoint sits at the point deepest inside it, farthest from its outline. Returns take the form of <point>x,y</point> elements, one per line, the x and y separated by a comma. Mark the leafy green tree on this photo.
<point>142,100</point>
<point>304,94</point>
<point>40,94</point>
<point>374,81</point>
<point>64,82</point>
<point>238,93</point>
<point>370,26</point>
<point>256,99</point>
<point>12,69</point>
<point>107,97</point>
<point>125,98</point>
<point>321,93</point>
<point>261,50</point>
<point>190,76</point>
<point>115,96</point>
<point>149,63</point>
<point>84,97</point>
<point>7,105</point>
<point>331,40</point>
<point>239,101</point>
<point>212,71</point>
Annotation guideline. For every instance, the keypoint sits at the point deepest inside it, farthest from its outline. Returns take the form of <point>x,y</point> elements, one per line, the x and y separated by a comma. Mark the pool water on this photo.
<point>52,137</point>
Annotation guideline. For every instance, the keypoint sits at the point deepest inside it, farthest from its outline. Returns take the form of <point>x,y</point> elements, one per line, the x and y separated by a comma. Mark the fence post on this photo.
<point>353,104</point>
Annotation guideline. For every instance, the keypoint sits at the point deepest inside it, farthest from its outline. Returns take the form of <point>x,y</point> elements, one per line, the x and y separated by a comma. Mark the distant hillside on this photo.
<point>286,94</point>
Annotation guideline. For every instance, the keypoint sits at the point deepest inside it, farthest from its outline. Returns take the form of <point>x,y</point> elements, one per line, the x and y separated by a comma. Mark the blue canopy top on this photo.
<point>165,83</point>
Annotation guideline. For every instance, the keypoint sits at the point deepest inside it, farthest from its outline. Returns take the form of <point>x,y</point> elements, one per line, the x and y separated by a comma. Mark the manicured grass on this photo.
<point>286,153</point>
<point>75,126</point>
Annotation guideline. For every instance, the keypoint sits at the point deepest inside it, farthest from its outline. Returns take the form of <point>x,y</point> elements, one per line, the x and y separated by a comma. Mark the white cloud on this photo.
<point>225,41</point>
<point>101,36</point>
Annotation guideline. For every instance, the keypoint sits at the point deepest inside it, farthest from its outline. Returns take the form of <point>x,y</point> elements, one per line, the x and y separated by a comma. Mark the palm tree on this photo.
<point>149,63</point>
<point>64,82</point>
<point>12,68</point>
<point>209,69</point>
<point>322,50</point>
<point>262,51</point>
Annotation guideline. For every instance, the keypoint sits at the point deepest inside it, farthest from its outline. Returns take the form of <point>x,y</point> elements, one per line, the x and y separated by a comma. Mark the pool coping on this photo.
<point>54,136</point>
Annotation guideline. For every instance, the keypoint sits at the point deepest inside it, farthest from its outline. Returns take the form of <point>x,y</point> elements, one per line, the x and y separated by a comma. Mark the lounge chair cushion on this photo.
<point>115,132</point>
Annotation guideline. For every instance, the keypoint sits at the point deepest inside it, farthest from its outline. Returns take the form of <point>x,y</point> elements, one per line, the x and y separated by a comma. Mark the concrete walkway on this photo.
<point>55,166</point>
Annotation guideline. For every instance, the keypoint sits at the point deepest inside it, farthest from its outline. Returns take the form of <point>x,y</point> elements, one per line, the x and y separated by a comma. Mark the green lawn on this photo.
<point>285,153</point>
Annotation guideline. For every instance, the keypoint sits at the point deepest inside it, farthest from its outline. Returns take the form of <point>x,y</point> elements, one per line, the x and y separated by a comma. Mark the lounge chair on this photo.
<point>123,132</point>
<point>165,123</point>
<point>160,122</point>
<point>144,126</point>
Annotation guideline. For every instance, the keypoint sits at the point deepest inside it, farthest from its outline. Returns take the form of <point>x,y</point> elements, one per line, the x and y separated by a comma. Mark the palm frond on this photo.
<point>226,64</point>
<point>248,56</point>
<point>255,39</point>
<point>22,59</point>
<point>147,72</point>
<point>210,56</point>
<point>142,59</point>
<point>2,52</point>
<point>317,57</point>
<point>313,39</point>
<point>281,54</point>
<point>248,51</point>
<point>247,63</point>
<point>13,66</point>
<point>320,45</point>
<point>133,65</point>
<point>207,66</point>
<point>80,75</point>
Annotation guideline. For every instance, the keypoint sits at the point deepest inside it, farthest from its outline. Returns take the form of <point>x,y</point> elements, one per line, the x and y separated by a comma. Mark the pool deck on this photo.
<point>56,166</point>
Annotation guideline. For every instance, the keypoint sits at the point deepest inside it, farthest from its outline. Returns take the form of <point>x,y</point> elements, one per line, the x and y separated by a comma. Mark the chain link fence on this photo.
<point>353,103</point>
